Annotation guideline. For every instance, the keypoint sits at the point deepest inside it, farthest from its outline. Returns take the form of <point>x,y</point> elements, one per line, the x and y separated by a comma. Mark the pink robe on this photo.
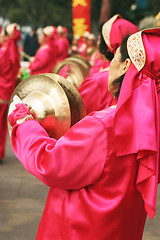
<point>98,64</point>
<point>44,60</point>
<point>14,52</point>
<point>7,72</point>
<point>8,69</point>
<point>94,92</point>
<point>63,46</point>
<point>92,192</point>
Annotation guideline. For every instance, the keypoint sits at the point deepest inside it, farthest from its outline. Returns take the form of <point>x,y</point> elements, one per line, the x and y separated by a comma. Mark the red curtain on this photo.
<point>81,17</point>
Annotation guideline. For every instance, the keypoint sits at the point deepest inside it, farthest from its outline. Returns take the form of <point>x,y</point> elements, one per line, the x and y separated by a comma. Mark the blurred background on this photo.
<point>41,13</point>
<point>22,197</point>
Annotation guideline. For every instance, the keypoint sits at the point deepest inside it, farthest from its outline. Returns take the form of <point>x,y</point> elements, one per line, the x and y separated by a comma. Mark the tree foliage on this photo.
<point>37,12</point>
<point>47,12</point>
<point>43,12</point>
<point>124,8</point>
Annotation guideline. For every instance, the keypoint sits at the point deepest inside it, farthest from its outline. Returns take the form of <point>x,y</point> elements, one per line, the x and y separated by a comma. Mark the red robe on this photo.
<point>98,64</point>
<point>14,52</point>
<point>8,73</point>
<point>92,192</point>
<point>63,46</point>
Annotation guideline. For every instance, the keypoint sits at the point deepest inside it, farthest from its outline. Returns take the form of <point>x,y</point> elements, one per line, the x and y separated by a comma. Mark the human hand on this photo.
<point>18,112</point>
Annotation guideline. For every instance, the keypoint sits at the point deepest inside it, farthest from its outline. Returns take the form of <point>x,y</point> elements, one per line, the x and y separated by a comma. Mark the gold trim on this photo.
<point>137,45</point>
<point>106,29</point>
<point>136,50</point>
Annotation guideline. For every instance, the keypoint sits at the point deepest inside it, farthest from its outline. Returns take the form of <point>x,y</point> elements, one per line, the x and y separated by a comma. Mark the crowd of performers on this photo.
<point>103,173</point>
<point>44,49</point>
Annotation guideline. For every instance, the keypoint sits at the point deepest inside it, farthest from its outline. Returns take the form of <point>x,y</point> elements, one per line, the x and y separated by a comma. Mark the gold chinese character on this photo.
<point>79,2</point>
<point>79,26</point>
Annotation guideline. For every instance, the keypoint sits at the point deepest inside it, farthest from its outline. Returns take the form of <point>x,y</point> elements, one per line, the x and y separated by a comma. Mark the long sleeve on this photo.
<point>74,161</point>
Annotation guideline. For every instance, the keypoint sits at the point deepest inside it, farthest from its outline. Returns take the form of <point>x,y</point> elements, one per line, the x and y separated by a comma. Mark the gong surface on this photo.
<point>71,71</point>
<point>82,63</point>
<point>77,107</point>
<point>74,69</point>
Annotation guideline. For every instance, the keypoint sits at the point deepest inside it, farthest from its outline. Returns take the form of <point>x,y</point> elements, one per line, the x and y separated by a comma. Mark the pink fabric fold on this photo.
<point>138,108</point>
<point>120,28</point>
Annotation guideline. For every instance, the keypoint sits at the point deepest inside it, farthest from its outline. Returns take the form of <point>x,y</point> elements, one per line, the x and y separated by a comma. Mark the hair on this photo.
<point>5,31</point>
<point>123,49</point>
<point>124,56</point>
<point>103,47</point>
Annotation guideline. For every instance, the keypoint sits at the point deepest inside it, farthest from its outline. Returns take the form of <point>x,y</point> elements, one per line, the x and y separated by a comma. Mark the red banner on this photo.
<point>81,17</point>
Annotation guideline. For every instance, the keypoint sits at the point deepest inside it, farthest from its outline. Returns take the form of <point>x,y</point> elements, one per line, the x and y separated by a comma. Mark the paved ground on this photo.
<point>22,199</point>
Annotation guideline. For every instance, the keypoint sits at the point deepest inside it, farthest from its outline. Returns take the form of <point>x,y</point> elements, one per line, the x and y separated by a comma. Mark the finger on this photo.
<point>16,99</point>
<point>12,107</point>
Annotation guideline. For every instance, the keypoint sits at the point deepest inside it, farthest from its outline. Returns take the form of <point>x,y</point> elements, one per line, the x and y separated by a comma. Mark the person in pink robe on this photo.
<point>98,63</point>
<point>13,31</point>
<point>103,56</point>
<point>94,89</point>
<point>103,173</point>
<point>62,45</point>
<point>9,67</point>
<point>45,58</point>
<point>83,43</point>
<point>91,48</point>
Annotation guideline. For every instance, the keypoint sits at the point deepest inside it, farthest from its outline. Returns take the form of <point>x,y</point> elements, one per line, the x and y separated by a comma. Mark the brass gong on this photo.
<point>77,107</point>
<point>73,73</point>
<point>47,102</point>
<point>75,69</point>
<point>82,62</point>
<point>54,102</point>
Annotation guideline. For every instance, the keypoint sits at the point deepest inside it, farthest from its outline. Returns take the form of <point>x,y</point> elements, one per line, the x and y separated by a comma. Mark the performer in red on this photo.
<point>9,67</point>
<point>62,44</point>
<point>98,63</point>
<point>94,89</point>
<point>91,48</point>
<point>103,56</point>
<point>14,33</point>
<point>45,58</point>
<point>74,48</point>
<point>103,173</point>
<point>83,43</point>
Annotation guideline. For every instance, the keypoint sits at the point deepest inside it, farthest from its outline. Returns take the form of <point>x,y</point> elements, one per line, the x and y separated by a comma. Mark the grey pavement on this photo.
<point>22,200</point>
